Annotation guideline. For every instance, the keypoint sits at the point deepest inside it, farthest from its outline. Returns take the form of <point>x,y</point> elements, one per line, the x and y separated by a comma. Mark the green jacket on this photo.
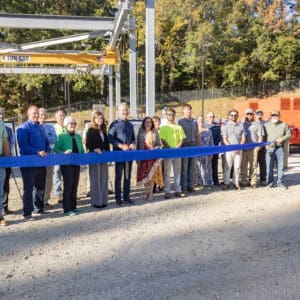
<point>64,142</point>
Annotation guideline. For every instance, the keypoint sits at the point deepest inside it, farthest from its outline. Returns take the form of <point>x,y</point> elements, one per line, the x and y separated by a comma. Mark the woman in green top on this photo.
<point>69,142</point>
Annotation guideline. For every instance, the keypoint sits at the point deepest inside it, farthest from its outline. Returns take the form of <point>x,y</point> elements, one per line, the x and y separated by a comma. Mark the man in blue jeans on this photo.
<point>32,140</point>
<point>4,151</point>
<point>277,132</point>
<point>121,136</point>
<point>190,129</point>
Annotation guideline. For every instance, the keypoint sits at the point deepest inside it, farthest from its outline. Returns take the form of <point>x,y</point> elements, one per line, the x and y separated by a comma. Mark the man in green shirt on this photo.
<point>277,132</point>
<point>172,136</point>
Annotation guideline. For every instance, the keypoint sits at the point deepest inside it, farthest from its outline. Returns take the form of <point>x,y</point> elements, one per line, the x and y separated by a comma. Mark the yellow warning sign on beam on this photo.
<point>58,58</point>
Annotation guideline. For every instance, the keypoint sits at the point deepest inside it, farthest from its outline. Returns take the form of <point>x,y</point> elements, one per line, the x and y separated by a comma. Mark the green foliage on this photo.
<point>240,43</point>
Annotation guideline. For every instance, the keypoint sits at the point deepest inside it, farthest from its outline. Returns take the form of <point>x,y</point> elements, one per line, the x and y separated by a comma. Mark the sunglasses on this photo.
<point>72,123</point>
<point>275,115</point>
<point>233,115</point>
<point>250,114</point>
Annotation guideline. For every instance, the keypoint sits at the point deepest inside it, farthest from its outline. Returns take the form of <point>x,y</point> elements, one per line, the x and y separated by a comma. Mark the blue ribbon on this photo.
<point>118,156</point>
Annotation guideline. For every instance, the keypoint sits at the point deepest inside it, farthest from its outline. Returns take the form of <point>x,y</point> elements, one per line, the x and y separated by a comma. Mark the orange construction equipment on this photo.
<point>288,105</point>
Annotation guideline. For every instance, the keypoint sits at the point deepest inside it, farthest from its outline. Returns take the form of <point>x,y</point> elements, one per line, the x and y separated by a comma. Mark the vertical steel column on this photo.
<point>150,58</point>
<point>110,93</point>
<point>132,67</point>
<point>118,84</point>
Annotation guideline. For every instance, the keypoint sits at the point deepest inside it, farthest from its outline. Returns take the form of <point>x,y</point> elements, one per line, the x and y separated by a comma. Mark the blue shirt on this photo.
<point>50,133</point>
<point>216,132</point>
<point>120,132</point>
<point>32,138</point>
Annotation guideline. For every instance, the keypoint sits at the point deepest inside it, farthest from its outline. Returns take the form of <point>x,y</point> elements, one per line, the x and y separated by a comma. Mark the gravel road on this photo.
<point>212,244</point>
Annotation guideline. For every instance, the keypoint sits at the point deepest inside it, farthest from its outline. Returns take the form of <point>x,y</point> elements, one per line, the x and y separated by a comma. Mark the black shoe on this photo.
<point>97,206</point>
<point>168,196</point>
<point>88,194</point>
<point>129,201</point>
<point>191,190</point>
<point>119,202</point>
<point>6,211</point>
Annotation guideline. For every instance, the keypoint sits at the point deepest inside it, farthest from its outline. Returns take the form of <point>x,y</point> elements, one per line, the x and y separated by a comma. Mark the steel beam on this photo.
<point>150,58</point>
<point>56,22</point>
<point>120,19</point>
<point>56,41</point>
<point>84,70</point>
<point>110,93</point>
<point>132,67</point>
<point>118,86</point>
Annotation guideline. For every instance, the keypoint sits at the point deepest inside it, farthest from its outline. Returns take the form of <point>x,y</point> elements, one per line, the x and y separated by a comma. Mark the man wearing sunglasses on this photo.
<point>277,133</point>
<point>233,133</point>
<point>254,134</point>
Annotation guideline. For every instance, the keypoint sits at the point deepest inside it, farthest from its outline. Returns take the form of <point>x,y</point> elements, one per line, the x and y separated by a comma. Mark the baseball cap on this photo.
<point>249,111</point>
<point>275,112</point>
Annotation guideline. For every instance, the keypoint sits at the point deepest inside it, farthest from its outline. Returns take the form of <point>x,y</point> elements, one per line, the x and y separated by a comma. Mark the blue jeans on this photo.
<point>187,173</point>
<point>57,181</point>
<point>271,155</point>
<point>2,178</point>
<point>121,167</point>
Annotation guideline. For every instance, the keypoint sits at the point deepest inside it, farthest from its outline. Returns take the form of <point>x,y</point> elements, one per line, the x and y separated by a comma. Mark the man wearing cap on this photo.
<point>254,134</point>
<point>233,133</point>
<point>261,155</point>
<point>277,132</point>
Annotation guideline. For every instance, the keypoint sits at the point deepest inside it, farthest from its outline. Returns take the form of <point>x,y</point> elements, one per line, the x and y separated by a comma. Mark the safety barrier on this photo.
<point>118,156</point>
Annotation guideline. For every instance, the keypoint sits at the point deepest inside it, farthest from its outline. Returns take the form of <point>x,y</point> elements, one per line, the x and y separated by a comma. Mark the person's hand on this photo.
<point>68,151</point>
<point>132,146</point>
<point>42,153</point>
<point>98,151</point>
<point>279,141</point>
<point>123,147</point>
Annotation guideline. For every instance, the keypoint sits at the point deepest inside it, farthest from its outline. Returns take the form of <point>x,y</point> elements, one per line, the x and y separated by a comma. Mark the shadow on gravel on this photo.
<point>252,264</point>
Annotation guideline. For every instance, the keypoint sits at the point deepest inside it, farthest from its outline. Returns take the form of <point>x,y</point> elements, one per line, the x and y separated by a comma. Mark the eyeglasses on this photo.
<point>250,114</point>
<point>233,115</point>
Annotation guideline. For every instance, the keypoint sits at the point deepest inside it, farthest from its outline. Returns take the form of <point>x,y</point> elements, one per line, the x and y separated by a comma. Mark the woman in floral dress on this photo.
<point>148,171</point>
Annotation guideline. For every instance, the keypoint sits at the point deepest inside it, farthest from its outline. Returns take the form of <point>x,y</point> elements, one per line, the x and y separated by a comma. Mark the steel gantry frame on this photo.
<point>100,26</point>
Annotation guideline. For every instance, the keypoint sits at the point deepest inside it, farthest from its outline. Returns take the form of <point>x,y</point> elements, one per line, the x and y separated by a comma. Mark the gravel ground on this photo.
<point>211,245</point>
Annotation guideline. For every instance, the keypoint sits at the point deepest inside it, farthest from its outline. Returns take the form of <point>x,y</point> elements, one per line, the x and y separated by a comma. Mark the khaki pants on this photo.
<point>249,162</point>
<point>48,183</point>
<point>232,158</point>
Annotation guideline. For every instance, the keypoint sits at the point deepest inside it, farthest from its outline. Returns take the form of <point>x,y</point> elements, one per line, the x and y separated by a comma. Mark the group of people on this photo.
<point>36,137</point>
